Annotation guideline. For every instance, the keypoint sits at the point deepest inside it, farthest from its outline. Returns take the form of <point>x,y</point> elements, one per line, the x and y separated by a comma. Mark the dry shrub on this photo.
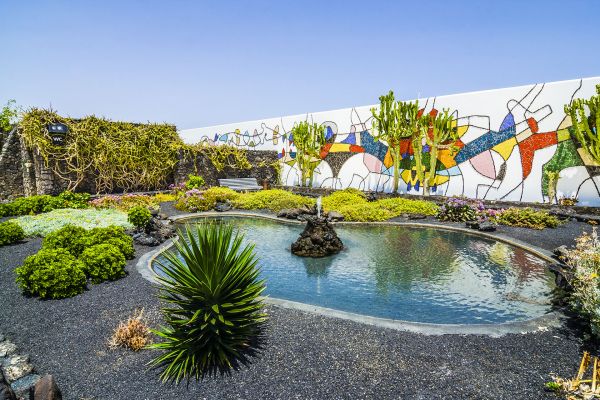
<point>133,334</point>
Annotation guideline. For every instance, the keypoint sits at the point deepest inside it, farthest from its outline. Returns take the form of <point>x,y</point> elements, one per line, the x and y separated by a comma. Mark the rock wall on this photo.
<point>23,172</point>
<point>263,167</point>
<point>11,177</point>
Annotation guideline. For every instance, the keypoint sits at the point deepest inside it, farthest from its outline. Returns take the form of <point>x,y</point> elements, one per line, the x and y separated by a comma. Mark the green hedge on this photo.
<point>10,232</point>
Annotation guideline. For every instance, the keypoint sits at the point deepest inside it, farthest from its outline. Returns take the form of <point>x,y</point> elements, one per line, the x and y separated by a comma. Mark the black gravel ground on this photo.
<point>307,356</point>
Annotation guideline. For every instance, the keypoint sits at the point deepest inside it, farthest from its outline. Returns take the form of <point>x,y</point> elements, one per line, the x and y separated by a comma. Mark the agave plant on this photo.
<point>214,312</point>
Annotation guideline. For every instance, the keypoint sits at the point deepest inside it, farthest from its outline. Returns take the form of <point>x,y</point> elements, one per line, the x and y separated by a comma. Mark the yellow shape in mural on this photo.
<point>388,161</point>
<point>563,134</point>
<point>505,148</point>
<point>407,176</point>
<point>586,158</point>
<point>339,148</point>
<point>462,130</point>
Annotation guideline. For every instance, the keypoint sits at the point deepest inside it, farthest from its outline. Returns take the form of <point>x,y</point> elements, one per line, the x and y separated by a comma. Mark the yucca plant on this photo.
<point>213,310</point>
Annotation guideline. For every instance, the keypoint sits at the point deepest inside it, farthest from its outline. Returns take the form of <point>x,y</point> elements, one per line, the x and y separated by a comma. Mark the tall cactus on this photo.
<point>585,126</point>
<point>443,136</point>
<point>309,140</point>
<point>392,122</point>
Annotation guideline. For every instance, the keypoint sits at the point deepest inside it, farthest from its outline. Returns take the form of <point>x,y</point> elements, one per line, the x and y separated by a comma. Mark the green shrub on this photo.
<point>139,216</point>
<point>114,235</point>
<point>343,198</point>
<point>398,206</point>
<point>51,273</point>
<point>43,203</point>
<point>43,224</point>
<point>194,182</point>
<point>527,218</point>
<point>273,199</point>
<point>364,212</point>
<point>10,232</point>
<point>125,202</point>
<point>220,194</point>
<point>194,201</point>
<point>214,312</point>
<point>103,262</point>
<point>73,239</point>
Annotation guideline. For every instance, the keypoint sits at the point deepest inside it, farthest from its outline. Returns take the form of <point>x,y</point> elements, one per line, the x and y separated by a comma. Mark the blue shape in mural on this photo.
<point>485,142</point>
<point>377,149</point>
<point>329,133</point>
<point>508,122</point>
<point>351,139</point>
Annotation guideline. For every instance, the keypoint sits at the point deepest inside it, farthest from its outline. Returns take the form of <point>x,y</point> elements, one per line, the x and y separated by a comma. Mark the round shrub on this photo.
<point>194,182</point>
<point>70,237</point>
<point>103,262</point>
<point>458,209</point>
<point>114,235</point>
<point>10,232</point>
<point>51,273</point>
<point>139,216</point>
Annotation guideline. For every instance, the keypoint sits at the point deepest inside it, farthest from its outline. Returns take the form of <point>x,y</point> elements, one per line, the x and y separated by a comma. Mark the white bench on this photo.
<point>240,184</point>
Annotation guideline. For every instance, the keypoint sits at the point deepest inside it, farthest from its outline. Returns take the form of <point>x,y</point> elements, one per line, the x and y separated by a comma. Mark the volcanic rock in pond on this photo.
<point>317,240</point>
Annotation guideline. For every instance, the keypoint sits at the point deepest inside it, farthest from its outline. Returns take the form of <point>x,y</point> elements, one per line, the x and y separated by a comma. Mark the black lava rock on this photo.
<point>318,239</point>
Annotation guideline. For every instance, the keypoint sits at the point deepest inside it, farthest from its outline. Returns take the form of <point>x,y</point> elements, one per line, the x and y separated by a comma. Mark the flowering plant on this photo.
<point>584,259</point>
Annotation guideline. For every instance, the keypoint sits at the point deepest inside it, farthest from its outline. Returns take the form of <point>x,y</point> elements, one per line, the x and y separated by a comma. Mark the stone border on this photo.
<point>550,320</point>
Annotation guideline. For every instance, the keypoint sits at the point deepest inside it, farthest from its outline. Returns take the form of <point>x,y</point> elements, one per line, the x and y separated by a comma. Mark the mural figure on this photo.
<point>509,142</point>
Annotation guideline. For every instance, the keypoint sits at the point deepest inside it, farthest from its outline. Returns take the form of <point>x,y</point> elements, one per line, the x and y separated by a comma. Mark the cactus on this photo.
<point>585,125</point>
<point>309,140</point>
<point>443,135</point>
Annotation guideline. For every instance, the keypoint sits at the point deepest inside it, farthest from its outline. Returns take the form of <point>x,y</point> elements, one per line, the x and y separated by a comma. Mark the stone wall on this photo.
<point>262,162</point>
<point>23,172</point>
<point>11,177</point>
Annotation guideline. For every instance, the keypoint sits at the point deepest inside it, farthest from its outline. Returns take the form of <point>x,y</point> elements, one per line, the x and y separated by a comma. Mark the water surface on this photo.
<point>404,273</point>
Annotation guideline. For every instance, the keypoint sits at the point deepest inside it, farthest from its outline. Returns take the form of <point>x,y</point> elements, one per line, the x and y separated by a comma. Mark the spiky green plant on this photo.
<point>585,126</point>
<point>309,139</point>
<point>213,310</point>
<point>442,136</point>
<point>386,126</point>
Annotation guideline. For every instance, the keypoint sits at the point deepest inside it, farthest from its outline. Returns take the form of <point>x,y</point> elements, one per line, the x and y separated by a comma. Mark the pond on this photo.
<point>403,273</point>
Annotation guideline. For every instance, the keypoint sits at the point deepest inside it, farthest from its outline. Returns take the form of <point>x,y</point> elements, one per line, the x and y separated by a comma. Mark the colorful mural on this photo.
<point>509,139</point>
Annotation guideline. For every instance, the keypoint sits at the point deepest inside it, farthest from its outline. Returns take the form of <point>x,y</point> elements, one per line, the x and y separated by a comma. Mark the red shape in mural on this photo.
<point>533,125</point>
<point>529,146</point>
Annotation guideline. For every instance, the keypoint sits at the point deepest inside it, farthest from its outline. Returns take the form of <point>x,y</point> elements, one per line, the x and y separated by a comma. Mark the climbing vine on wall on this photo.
<point>117,154</point>
<point>220,156</point>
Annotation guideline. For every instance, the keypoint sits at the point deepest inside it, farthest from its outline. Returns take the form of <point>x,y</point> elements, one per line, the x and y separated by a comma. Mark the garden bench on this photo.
<point>240,184</point>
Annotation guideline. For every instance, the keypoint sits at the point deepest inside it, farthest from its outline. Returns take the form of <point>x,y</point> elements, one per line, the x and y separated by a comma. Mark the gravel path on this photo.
<point>307,356</point>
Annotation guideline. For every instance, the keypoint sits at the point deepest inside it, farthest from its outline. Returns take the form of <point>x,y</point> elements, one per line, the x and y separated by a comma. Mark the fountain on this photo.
<point>318,238</point>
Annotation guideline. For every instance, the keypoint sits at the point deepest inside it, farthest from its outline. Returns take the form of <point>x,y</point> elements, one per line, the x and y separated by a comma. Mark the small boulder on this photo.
<point>23,386</point>
<point>6,392</point>
<point>335,216</point>
<point>472,224</point>
<point>561,252</point>
<point>46,389</point>
<point>7,349</point>
<point>290,213</point>
<point>223,206</point>
<point>145,239</point>
<point>486,227</point>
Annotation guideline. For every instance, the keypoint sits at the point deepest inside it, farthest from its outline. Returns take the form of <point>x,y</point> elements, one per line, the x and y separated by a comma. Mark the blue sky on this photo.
<point>200,63</point>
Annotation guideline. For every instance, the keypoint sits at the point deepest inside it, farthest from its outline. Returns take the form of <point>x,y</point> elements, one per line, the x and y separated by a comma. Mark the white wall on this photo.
<point>506,164</point>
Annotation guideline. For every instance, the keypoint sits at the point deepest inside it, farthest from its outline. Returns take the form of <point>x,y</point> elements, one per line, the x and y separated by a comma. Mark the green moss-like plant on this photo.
<point>139,216</point>
<point>213,309</point>
<point>272,199</point>
<point>10,232</point>
<point>103,262</point>
<point>527,218</point>
<point>51,273</point>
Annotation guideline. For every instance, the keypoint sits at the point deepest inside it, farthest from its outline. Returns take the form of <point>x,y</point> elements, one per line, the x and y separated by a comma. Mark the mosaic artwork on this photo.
<point>509,141</point>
